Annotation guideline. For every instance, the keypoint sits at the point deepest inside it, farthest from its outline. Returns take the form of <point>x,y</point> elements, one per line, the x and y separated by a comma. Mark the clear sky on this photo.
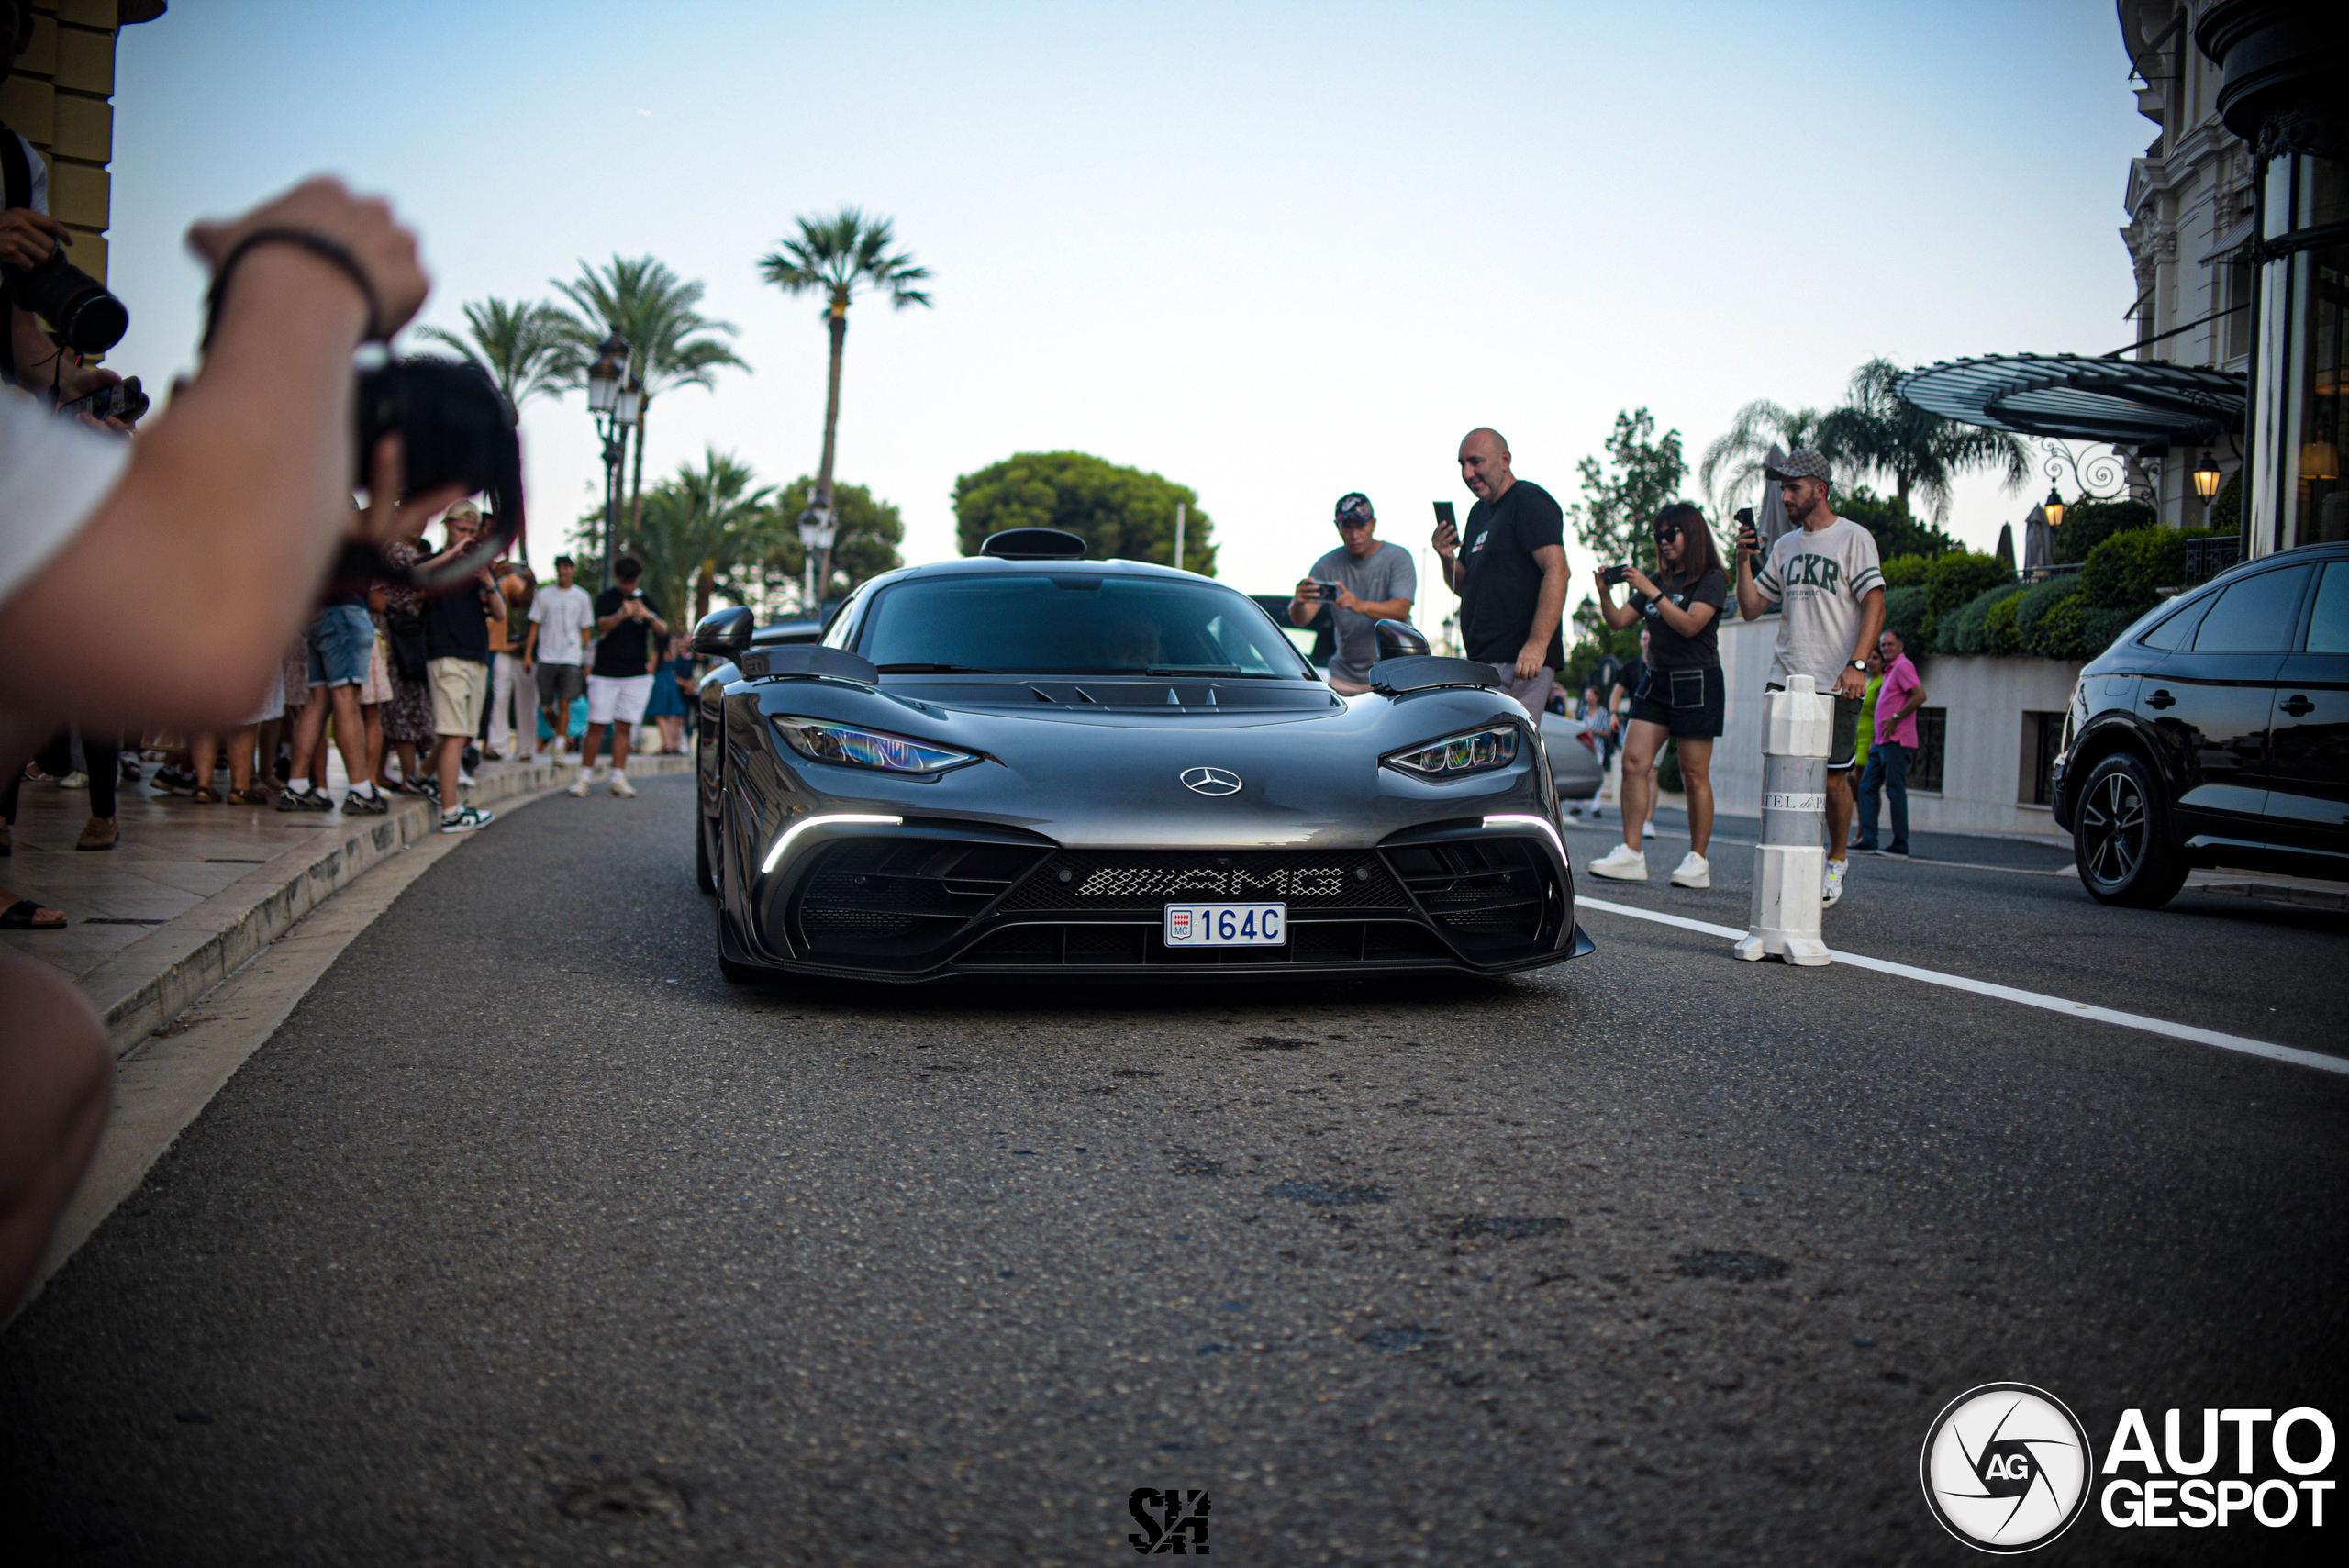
<point>1273,252</point>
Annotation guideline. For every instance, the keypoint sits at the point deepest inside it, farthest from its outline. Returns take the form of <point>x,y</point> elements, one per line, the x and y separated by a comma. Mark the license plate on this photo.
<point>1227,924</point>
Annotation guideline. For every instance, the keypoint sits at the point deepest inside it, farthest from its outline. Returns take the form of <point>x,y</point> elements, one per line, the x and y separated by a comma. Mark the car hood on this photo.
<point>1111,772</point>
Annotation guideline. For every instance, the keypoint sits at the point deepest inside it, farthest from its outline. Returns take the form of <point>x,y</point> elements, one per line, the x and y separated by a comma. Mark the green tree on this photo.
<point>1876,431</point>
<point>837,257</point>
<point>1732,465</point>
<point>1612,518</point>
<point>864,544</point>
<point>670,344</point>
<point>700,533</point>
<point>528,349</point>
<point>1896,532</point>
<point>1119,512</point>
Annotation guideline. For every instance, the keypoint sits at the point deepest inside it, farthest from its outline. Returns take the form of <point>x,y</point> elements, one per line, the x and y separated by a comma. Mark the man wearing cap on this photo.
<point>1508,564</point>
<point>1358,584</point>
<point>1824,573</point>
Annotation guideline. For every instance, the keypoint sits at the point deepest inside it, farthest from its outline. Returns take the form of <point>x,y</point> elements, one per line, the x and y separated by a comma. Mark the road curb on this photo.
<point>153,980</point>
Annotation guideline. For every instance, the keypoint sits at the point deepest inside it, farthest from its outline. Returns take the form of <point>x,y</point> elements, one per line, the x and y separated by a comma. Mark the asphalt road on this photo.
<point>527,1240</point>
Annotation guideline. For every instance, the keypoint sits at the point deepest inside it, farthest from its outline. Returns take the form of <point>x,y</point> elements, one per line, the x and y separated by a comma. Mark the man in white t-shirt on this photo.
<point>1824,574</point>
<point>563,620</point>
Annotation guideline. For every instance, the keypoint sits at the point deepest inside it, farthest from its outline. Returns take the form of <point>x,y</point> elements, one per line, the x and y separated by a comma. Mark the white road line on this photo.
<point>2199,1036</point>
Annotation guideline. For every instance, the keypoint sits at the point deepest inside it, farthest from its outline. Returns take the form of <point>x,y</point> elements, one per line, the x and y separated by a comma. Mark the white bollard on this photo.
<point>1790,862</point>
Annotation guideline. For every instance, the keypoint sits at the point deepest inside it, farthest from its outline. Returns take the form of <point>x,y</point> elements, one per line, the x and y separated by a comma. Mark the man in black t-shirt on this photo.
<point>1507,566</point>
<point>456,666</point>
<point>619,682</point>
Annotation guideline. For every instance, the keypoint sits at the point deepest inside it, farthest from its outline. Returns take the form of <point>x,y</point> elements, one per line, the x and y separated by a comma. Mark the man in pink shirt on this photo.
<point>1897,703</point>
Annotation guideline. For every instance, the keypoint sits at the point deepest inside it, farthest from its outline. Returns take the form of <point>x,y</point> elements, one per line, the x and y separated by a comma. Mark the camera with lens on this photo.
<point>454,429</point>
<point>87,318</point>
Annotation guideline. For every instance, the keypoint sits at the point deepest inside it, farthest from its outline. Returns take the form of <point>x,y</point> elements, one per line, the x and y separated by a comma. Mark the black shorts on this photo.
<point>1845,741</point>
<point>1691,703</point>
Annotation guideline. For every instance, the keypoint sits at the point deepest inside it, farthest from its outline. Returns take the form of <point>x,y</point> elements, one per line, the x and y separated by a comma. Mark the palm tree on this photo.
<point>1877,431</point>
<point>671,343</point>
<point>697,527</point>
<point>838,256</point>
<point>528,349</point>
<point>1734,460</point>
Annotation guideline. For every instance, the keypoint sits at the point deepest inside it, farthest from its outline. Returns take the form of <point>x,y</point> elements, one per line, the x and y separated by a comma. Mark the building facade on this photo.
<point>2283,90</point>
<point>60,97</point>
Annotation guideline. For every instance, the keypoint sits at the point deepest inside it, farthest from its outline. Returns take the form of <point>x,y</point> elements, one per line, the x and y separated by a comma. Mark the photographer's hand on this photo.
<point>28,238</point>
<point>383,251</point>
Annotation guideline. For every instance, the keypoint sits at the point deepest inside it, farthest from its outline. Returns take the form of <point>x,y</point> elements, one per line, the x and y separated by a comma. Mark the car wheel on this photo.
<point>2121,837</point>
<point>702,879</point>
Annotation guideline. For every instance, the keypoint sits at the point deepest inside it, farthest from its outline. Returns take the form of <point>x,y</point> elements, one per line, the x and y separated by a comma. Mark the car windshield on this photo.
<point>1049,623</point>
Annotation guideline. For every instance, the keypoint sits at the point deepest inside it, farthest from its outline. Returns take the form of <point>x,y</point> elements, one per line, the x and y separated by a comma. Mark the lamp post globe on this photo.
<point>2053,507</point>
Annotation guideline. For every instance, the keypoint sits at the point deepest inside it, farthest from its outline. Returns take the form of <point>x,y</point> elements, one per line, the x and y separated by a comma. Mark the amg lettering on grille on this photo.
<point>1152,881</point>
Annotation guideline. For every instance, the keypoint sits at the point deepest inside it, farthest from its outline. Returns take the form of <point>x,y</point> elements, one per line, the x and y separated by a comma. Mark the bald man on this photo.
<point>1507,566</point>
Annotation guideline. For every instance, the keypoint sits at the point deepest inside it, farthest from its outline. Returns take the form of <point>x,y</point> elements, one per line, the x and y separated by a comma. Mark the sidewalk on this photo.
<point>191,892</point>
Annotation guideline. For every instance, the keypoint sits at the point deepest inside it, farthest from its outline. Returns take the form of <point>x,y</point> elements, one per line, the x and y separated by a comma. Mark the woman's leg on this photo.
<point>672,732</point>
<point>204,748</point>
<point>240,758</point>
<point>1641,741</point>
<point>1696,779</point>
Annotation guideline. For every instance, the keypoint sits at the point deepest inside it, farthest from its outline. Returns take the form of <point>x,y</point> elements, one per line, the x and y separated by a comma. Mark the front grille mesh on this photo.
<point>1306,881</point>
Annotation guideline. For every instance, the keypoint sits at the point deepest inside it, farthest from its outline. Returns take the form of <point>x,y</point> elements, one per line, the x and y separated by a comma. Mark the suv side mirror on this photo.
<point>725,634</point>
<point>1399,639</point>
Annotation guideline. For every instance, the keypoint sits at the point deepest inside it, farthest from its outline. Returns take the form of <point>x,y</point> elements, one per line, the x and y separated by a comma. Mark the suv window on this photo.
<point>2329,626</point>
<point>2255,615</point>
<point>2177,629</point>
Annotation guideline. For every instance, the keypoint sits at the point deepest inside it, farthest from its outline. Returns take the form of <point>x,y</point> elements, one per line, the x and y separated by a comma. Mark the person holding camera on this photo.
<point>1679,691</point>
<point>620,683</point>
<point>1825,574</point>
<point>456,665</point>
<point>220,521</point>
<point>1358,584</point>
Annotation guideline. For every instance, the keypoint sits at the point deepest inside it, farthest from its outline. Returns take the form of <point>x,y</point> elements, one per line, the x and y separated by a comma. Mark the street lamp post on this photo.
<point>614,409</point>
<point>816,534</point>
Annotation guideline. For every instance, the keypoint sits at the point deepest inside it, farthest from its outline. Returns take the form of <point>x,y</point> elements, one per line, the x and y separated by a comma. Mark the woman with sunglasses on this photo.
<point>1680,691</point>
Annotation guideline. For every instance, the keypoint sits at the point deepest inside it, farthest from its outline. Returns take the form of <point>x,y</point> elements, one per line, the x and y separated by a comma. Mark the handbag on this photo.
<point>406,634</point>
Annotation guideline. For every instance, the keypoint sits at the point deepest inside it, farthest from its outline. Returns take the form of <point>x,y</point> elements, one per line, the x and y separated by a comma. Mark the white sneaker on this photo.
<point>1834,883</point>
<point>1692,872</point>
<point>1647,830</point>
<point>621,787</point>
<point>578,787</point>
<point>1621,863</point>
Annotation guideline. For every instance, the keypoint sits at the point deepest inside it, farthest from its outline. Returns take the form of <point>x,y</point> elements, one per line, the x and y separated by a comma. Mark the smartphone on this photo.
<point>1443,514</point>
<point>1614,576</point>
<point>121,400</point>
<point>1746,538</point>
<point>1447,529</point>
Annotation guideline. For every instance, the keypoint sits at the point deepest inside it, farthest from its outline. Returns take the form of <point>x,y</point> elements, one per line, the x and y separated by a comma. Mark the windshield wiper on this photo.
<point>935,670</point>
<point>1233,671</point>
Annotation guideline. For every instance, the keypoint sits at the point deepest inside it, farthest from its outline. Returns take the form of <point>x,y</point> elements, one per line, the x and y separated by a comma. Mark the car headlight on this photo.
<point>1471,752</point>
<point>822,740</point>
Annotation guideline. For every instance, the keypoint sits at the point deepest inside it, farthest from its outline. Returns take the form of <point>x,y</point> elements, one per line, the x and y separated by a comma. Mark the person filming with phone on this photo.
<point>1678,691</point>
<point>1358,584</point>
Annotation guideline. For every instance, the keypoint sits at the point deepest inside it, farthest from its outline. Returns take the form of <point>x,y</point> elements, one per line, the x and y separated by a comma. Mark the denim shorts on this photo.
<point>341,642</point>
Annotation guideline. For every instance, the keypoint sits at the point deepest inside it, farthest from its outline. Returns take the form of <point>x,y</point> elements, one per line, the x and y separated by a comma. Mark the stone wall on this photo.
<point>1985,782</point>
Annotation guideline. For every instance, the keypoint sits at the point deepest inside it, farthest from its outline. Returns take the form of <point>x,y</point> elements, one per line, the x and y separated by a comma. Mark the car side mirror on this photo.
<point>725,634</point>
<point>1400,639</point>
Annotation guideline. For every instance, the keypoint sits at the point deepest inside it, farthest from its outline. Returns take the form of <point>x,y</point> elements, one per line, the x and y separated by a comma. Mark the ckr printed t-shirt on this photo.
<point>1818,578</point>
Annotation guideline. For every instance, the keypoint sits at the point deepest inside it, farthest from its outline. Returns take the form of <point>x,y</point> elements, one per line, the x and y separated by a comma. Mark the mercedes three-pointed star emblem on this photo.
<point>1211,780</point>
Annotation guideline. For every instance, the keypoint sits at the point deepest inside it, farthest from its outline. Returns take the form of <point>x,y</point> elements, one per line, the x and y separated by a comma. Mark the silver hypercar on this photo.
<point>1025,763</point>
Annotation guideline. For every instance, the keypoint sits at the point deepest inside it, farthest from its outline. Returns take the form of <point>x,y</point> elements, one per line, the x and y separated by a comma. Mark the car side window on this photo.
<point>2176,629</point>
<point>2329,624</point>
<point>2255,615</point>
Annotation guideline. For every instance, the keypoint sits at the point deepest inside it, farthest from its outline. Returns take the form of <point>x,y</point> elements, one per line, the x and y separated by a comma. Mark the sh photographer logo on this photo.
<point>2006,1467</point>
<point>1174,1523</point>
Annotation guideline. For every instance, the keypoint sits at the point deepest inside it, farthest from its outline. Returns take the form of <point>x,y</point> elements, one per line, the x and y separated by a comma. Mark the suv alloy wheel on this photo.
<point>2121,840</point>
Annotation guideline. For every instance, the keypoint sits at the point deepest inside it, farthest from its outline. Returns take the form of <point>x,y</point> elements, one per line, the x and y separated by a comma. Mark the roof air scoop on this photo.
<point>1034,544</point>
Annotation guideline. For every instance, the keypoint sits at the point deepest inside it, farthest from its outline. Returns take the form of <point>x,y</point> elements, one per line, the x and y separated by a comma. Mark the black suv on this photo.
<point>2215,731</point>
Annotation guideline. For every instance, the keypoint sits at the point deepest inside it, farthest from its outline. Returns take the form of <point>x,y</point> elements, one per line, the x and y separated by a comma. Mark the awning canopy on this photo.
<point>2136,403</point>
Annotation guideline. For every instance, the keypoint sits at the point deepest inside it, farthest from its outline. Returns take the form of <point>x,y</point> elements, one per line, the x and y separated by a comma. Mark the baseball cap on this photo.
<point>1354,506</point>
<point>1801,463</point>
